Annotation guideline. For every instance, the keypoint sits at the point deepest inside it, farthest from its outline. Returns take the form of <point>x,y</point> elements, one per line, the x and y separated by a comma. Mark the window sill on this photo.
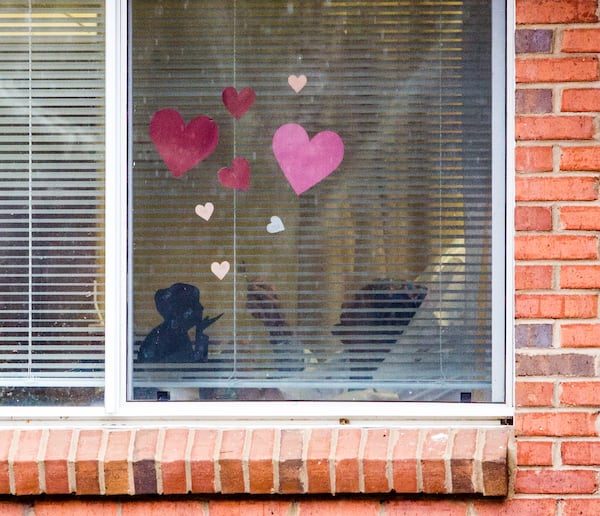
<point>100,461</point>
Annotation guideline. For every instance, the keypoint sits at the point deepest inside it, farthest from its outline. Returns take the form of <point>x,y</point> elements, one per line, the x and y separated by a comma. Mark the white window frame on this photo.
<point>257,413</point>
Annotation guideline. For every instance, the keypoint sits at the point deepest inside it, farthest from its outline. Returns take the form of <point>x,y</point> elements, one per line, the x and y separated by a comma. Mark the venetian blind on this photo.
<point>376,282</point>
<point>51,209</point>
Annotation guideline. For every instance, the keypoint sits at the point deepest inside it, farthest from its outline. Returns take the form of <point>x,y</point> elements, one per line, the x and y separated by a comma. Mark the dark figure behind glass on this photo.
<point>181,310</point>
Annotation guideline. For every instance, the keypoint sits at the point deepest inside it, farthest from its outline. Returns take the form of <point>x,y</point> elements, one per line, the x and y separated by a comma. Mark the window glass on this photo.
<point>52,196</point>
<point>311,201</point>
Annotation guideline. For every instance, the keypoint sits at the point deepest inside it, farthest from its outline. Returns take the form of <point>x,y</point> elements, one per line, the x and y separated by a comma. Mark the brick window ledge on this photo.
<point>110,461</point>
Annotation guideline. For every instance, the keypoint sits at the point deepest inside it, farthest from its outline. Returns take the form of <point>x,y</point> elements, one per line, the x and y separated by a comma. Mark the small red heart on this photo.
<point>237,176</point>
<point>182,146</point>
<point>238,103</point>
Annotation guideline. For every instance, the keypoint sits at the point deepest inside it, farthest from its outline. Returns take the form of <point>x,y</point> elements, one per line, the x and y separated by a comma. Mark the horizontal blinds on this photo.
<point>52,193</point>
<point>379,285</point>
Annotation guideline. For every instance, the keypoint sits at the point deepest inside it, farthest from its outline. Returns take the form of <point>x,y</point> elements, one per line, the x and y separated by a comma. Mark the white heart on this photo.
<point>205,211</point>
<point>276,225</point>
<point>297,82</point>
<point>220,270</point>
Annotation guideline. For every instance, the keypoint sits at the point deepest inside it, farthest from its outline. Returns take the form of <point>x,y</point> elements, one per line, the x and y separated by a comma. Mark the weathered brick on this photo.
<point>533,101</point>
<point>144,461</point>
<point>516,507</point>
<point>346,460</point>
<point>555,306</point>
<point>374,462</point>
<point>55,460</point>
<point>433,466</point>
<point>547,481</point>
<point>230,461</point>
<point>404,461</point>
<point>581,40</point>
<point>317,460</point>
<point>533,159</point>
<point>585,158</point>
<point>556,11</point>
<point>562,188</point>
<point>26,472</point>
<point>533,336</point>
<point>534,453</point>
<point>556,424</point>
<point>290,461</point>
<point>533,218</point>
<point>580,394</point>
<point>116,466</point>
<point>533,40</point>
<point>565,69</point>
<point>531,277</point>
<point>260,464</point>
<point>580,506</point>
<point>556,364</point>
<point>580,453</point>
<point>580,217</point>
<point>580,100</point>
<point>543,127</point>
<point>202,468</point>
<point>556,247</point>
<point>494,463</point>
<point>580,276</point>
<point>462,461</point>
<point>173,461</point>
<point>87,474</point>
<point>580,335</point>
<point>534,394</point>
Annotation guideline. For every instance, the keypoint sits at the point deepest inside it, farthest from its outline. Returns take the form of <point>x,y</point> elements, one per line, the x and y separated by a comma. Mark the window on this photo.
<point>313,192</point>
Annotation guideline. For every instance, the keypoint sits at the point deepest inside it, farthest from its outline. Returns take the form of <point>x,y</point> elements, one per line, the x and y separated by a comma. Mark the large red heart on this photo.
<point>237,176</point>
<point>238,103</point>
<point>182,146</point>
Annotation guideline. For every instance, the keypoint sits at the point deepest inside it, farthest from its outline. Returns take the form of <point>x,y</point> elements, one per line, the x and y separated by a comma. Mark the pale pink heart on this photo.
<point>205,211</point>
<point>297,82</point>
<point>238,103</point>
<point>182,146</point>
<point>220,270</point>
<point>306,162</point>
<point>237,176</point>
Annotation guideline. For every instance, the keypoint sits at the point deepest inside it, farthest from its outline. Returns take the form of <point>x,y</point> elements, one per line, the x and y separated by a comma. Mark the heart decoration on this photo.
<point>238,103</point>
<point>276,225</point>
<point>297,82</point>
<point>237,176</point>
<point>182,146</point>
<point>205,211</point>
<point>220,270</point>
<point>306,162</point>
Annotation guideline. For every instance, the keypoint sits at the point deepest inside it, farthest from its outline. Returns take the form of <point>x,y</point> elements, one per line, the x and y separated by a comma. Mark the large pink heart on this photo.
<point>237,176</point>
<point>238,103</point>
<point>182,146</point>
<point>306,162</point>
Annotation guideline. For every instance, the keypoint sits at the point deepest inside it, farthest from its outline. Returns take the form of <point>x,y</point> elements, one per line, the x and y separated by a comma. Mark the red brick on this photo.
<point>555,306</point>
<point>556,11</point>
<point>56,468</point>
<point>260,462</point>
<point>245,507</point>
<point>14,508</point>
<point>230,461</point>
<point>580,335</point>
<point>534,453</point>
<point>580,453</point>
<point>317,461</point>
<point>576,127</point>
<point>462,460</point>
<point>404,461</point>
<point>580,394</point>
<point>6,439</point>
<point>531,277</point>
<point>533,218</point>
<point>534,394</point>
<point>433,466</point>
<point>570,188</point>
<point>548,481</point>
<point>495,462</point>
<point>375,461</point>
<point>408,507</point>
<point>565,69</point>
<point>580,276</point>
<point>533,159</point>
<point>357,507</point>
<point>586,158</point>
<point>346,460</point>
<point>580,507</point>
<point>173,461</point>
<point>581,40</point>
<point>581,100</point>
<point>516,507</point>
<point>556,424</point>
<point>87,474</point>
<point>533,101</point>
<point>556,247</point>
<point>116,464</point>
<point>26,473</point>
<point>580,217</point>
<point>163,508</point>
<point>77,508</point>
<point>291,466</point>
<point>144,461</point>
<point>555,364</point>
<point>202,468</point>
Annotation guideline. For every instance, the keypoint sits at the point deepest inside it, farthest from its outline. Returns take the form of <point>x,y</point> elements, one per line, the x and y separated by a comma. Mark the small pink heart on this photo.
<point>182,146</point>
<point>205,211</point>
<point>237,176</point>
<point>297,83</point>
<point>306,162</point>
<point>220,270</point>
<point>238,103</point>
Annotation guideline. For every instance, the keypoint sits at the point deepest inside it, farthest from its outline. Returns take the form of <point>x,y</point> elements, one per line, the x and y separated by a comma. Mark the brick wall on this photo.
<point>556,464</point>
